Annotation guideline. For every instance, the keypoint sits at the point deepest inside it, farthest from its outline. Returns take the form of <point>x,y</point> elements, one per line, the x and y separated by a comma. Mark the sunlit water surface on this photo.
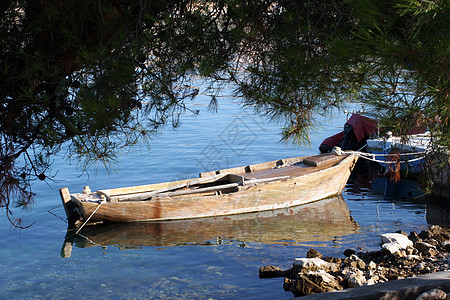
<point>200,259</point>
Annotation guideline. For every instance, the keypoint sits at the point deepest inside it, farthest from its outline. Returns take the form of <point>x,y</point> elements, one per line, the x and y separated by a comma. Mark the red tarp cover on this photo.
<point>333,140</point>
<point>362,126</point>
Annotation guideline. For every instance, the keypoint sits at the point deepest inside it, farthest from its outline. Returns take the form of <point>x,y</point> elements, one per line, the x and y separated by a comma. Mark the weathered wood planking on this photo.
<point>271,185</point>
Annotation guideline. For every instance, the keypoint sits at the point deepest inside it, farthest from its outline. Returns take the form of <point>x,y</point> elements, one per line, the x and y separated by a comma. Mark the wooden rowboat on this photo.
<point>266,186</point>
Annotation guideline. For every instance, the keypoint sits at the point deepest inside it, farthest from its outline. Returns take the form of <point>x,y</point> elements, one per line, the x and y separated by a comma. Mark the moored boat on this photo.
<point>258,187</point>
<point>409,151</point>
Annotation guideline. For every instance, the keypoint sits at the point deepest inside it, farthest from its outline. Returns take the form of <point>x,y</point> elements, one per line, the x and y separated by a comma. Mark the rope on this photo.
<point>90,241</point>
<point>50,211</point>
<point>371,156</point>
<point>87,220</point>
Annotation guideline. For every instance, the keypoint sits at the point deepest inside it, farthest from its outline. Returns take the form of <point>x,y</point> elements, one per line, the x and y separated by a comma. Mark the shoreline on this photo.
<point>405,264</point>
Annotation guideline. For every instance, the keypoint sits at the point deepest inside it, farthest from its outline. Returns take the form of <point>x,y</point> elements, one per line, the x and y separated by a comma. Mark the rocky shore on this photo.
<point>401,256</point>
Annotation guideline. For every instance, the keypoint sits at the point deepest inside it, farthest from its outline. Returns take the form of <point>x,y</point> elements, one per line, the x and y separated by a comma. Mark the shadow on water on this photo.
<point>318,221</point>
<point>438,212</point>
<point>368,178</point>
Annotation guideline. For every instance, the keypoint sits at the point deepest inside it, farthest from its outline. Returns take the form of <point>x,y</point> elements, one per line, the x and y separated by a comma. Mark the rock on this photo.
<point>354,262</point>
<point>314,282</point>
<point>313,264</point>
<point>422,246</point>
<point>335,260</point>
<point>398,238</point>
<point>361,264</point>
<point>354,278</point>
<point>421,266</point>
<point>400,257</point>
<point>437,230</point>
<point>313,253</point>
<point>411,251</point>
<point>433,294</point>
<point>288,284</point>
<point>433,242</point>
<point>349,252</point>
<point>446,245</point>
<point>354,257</point>
<point>271,272</point>
<point>413,236</point>
<point>431,252</point>
<point>400,254</point>
<point>392,247</point>
<point>413,257</point>
<point>372,266</point>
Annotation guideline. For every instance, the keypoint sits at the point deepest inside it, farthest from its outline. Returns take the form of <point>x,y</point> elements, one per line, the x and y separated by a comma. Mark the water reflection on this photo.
<point>368,177</point>
<point>438,212</point>
<point>318,221</point>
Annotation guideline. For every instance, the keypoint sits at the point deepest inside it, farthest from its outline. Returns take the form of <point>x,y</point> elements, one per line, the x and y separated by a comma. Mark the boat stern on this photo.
<point>69,206</point>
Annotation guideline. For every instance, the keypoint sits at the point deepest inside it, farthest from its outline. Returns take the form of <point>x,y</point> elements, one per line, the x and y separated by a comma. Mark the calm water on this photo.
<point>202,259</point>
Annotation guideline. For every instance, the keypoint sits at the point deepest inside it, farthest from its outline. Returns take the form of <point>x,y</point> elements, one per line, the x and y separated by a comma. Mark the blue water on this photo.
<point>222,267</point>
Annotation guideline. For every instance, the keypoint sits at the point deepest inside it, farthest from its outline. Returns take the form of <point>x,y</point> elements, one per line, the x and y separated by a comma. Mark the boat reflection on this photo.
<point>318,221</point>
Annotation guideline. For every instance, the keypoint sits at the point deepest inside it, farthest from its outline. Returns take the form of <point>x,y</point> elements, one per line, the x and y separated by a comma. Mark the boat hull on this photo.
<point>285,192</point>
<point>386,152</point>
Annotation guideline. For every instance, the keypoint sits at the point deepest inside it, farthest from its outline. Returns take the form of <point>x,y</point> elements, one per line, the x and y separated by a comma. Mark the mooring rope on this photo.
<point>87,220</point>
<point>371,156</point>
<point>90,241</point>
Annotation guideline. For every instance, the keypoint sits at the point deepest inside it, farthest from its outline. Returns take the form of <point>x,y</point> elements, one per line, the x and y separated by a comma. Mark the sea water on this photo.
<point>205,259</point>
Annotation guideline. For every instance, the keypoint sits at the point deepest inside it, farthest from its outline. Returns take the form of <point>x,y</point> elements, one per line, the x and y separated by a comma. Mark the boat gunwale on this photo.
<point>226,172</point>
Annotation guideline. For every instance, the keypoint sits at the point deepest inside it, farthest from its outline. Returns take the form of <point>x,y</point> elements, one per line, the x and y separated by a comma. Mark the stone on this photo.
<point>370,281</point>
<point>361,264</point>
<point>431,252</point>
<point>271,272</point>
<point>400,254</point>
<point>314,282</point>
<point>288,284</point>
<point>446,245</point>
<point>413,236</point>
<point>354,257</point>
<point>313,253</point>
<point>349,252</point>
<point>413,257</point>
<point>422,246</point>
<point>434,294</point>
<point>438,230</point>
<point>400,257</point>
<point>354,261</point>
<point>433,242</point>
<point>372,266</point>
<point>398,238</point>
<point>313,264</point>
<point>411,251</point>
<point>425,234</point>
<point>353,264</point>
<point>421,266</point>
<point>335,260</point>
<point>354,278</point>
<point>392,247</point>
